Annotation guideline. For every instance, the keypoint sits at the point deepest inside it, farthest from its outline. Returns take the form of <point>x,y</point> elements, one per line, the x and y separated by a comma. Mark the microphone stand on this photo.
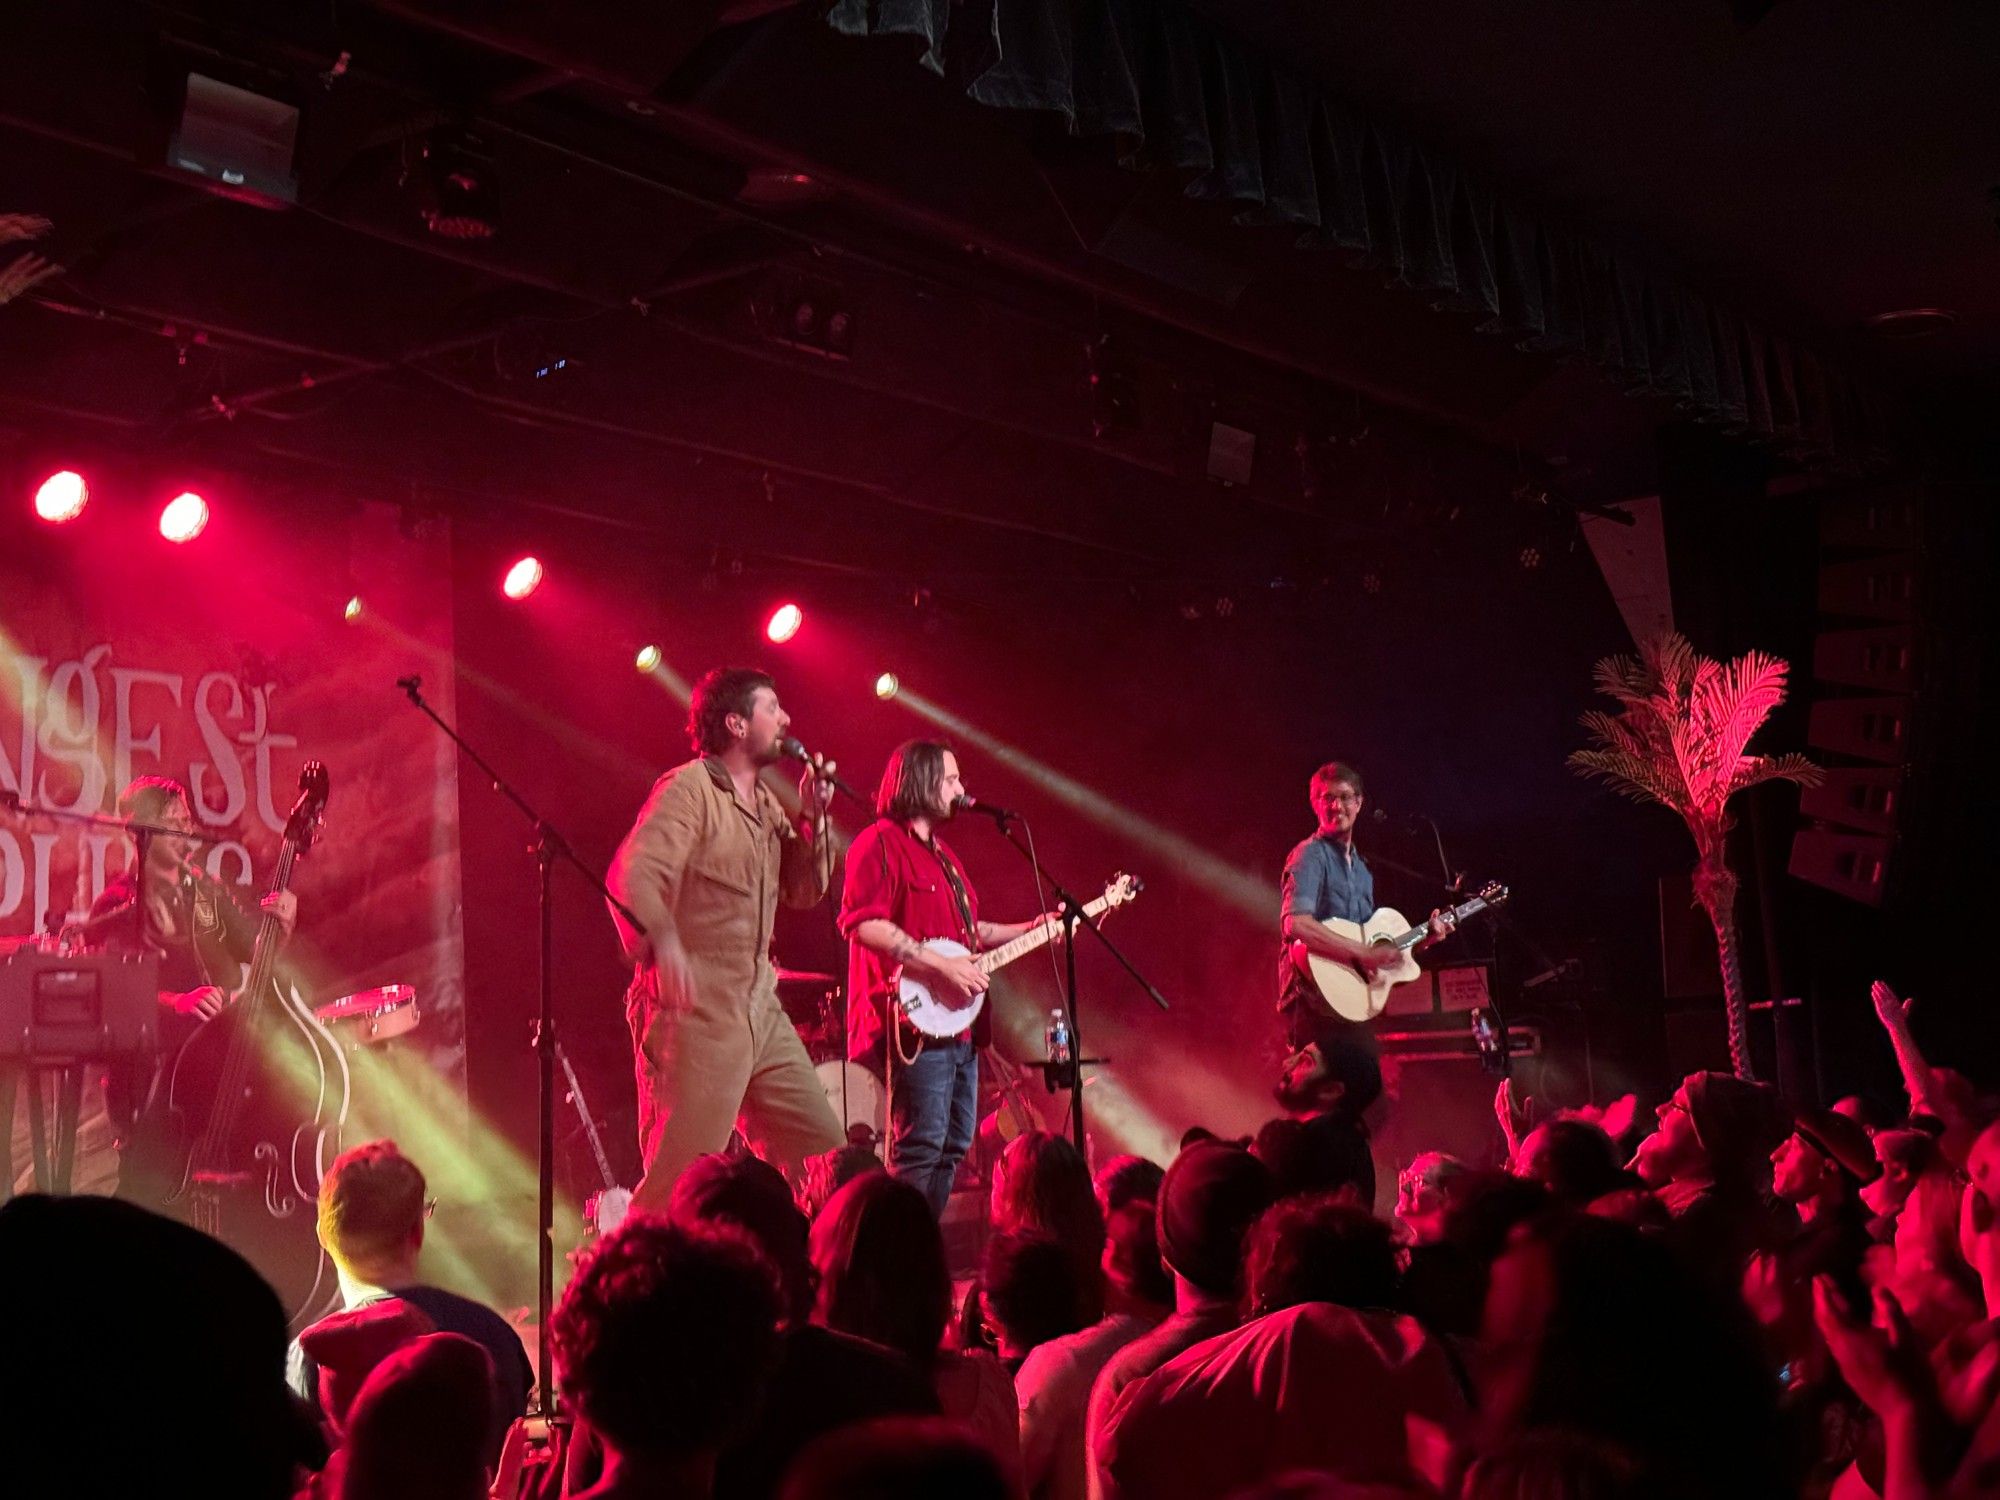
<point>549,847</point>
<point>1073,918</point>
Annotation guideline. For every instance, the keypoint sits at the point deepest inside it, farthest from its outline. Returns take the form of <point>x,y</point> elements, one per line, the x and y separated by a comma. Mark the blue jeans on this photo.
<point>933,1108</point>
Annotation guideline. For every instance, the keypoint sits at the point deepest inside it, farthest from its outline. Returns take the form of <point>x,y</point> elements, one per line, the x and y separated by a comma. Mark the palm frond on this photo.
<point>1633,775</point>
<point>1625,678</point>
<point>1737,701</point>
<point>1755,770</point>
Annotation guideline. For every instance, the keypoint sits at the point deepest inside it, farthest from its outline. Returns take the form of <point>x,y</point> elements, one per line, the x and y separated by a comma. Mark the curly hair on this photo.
<point>1318,1248</point>
<point>668,1334</point>
<point>720,693</point>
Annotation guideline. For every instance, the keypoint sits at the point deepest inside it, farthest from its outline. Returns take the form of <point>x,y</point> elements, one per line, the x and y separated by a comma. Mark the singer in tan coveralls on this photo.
<point>703,869</point>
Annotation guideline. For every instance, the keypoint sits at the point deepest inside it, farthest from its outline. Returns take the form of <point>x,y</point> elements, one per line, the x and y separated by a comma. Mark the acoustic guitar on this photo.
<point>1354,997</point>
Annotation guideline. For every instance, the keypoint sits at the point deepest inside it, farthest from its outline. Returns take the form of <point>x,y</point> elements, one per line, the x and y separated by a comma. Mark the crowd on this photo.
<point>1752,1301</point>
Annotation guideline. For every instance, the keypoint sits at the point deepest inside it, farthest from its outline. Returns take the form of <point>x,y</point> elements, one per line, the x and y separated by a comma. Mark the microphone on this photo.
<point>410,684</point>
<point>792,747</point>
<point>1000,815</point>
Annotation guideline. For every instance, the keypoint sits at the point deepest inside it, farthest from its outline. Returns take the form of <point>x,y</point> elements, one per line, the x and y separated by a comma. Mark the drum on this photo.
<point>813,1003</point>
<point>372,1016</point>
<point>857,1099</point>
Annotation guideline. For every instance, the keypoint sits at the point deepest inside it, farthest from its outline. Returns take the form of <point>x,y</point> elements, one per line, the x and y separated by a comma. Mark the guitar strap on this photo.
<point>959,896</point>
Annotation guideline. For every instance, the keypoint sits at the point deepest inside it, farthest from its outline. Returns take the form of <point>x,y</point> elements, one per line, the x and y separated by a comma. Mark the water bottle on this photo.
<point>1059,1049</point>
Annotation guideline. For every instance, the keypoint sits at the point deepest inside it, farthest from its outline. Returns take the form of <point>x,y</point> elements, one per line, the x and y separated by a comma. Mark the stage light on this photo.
<point>648,659</point>
<point>353,610</point>
<point>522,579</point>
<point>185,517</point>
<point>887,686</point>
<point>62,497</point>
<point>784,623</point>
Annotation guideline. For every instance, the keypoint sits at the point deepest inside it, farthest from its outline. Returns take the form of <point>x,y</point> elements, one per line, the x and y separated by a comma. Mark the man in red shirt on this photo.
<point>905,888</point>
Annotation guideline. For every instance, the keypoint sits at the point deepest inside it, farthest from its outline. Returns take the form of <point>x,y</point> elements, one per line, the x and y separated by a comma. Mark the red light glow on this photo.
<point>784,623</point>
<point>185,517</point>
<point>62,497</point>
<point>522,579</point>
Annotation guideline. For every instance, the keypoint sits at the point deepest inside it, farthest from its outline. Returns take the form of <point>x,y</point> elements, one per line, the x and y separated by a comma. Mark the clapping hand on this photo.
<point>1881,1361</point>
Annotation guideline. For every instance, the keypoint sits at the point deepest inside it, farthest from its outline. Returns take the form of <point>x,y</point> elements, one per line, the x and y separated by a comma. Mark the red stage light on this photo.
<point>185,517</point>
<point>522,579</point>
<point>62,497</point>
<point>784,623</point>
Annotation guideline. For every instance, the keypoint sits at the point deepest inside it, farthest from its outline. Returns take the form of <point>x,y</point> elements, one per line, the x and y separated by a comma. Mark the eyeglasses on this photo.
<point>1345,799</point>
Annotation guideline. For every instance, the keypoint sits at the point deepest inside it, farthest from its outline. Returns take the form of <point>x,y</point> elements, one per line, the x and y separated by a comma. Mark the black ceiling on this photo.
<point>983,254</point>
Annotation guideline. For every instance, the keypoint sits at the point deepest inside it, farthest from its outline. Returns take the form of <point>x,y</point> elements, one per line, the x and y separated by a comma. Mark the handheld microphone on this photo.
<point>1000,815</point>
<point>796,750</point>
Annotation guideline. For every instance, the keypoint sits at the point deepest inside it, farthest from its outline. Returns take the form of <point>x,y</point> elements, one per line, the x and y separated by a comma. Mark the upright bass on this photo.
<point>249,1116</point>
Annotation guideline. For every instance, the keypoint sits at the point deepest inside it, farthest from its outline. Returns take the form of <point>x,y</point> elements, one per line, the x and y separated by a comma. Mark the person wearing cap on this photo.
<point>1211,1196</point>
<point>1819,1169</point>
<point>1708,1163</point>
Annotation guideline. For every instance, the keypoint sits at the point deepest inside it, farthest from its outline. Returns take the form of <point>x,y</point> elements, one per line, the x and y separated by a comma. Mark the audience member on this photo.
<point>823,1379</point>
<point>665,1341</point>
<point>1318,1249</point>
<point>1041,1185</point>
<point>1574,1159</point>
<point>143,1358</point>
<point>830,1171</point>
<point>373,1209</point>
<point>1127,1179</point>
<point>1364,1395</point>
<point>420,1427</point>
<point>1319,1153</point>
<point>1209,1198</point>
<point>1444,1281</point>
<point>1028,1294</point>
<point>1594,1328</point>
<point>882,1276</point>
<point>1424,1192</point>
<point>1709,1162</point>
<point>1054,1382</point>
<point>906,1458</point>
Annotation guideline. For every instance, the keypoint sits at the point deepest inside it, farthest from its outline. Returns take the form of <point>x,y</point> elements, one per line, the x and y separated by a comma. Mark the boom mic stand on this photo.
<point>1072,919</point>
<point>549,847</point>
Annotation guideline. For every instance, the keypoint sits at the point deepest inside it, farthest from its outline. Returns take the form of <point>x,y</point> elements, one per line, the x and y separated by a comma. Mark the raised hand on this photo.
<point>1890,1010</point>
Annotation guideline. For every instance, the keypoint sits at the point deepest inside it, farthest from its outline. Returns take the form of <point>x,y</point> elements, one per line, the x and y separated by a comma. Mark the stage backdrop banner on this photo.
<point>228,664</point>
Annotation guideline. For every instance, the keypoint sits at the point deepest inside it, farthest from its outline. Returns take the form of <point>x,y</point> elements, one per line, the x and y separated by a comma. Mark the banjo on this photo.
<point>1353,998</point>
<point>934,1016</point>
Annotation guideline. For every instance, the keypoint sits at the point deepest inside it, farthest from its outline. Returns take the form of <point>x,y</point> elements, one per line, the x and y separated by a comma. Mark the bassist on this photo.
<point>905,887</point>
<point>203,937</point>
<point>1326,878</point>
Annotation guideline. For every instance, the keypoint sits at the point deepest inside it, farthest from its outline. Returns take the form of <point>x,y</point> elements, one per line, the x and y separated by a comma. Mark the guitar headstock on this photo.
<point>302,827</point>
<point>1493,893</point>
<point>1122,888</point>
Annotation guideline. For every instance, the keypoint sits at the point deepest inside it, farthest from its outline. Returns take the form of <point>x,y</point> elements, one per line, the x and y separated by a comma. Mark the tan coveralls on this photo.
<point>702,868</point>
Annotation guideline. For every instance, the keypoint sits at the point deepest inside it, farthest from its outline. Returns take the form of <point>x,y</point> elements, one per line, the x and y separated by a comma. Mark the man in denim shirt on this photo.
<point>1326,878</point>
